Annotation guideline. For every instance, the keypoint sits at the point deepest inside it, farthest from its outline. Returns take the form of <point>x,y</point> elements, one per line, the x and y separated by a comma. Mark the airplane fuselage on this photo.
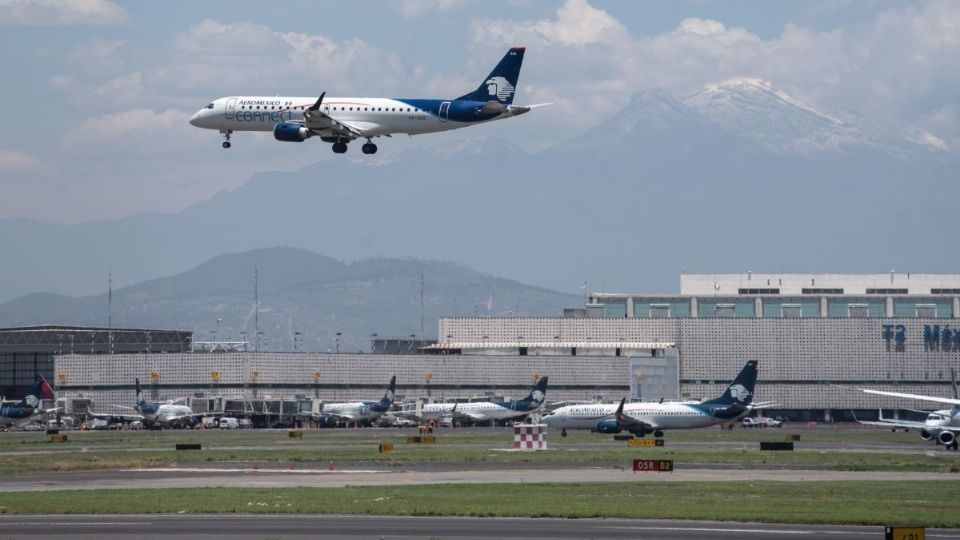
<point>676,415</point>
<point>374,116</point>
<point>478,411</point>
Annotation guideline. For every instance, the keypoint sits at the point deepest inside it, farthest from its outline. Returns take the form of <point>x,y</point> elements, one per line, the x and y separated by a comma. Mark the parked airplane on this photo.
<point>358,411</point>
<point>340,120</point>
<point>28,409</point>
<point>488,411</point>
<point>942,426</point>
<point>643,418</point>
<point>167,414</point>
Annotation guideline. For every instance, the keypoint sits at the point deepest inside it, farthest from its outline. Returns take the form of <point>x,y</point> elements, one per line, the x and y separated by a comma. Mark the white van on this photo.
<point>229,423</point>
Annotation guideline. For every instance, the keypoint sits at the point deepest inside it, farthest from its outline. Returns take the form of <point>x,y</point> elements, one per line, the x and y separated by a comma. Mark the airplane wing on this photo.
<point>630,423</point>
<point>323,124</point>
<point>935,399</point>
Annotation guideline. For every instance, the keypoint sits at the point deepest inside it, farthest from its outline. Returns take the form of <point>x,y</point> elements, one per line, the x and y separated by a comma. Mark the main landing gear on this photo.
<point>226,134</point>
<point>340,147</point>
<point>369,148</point>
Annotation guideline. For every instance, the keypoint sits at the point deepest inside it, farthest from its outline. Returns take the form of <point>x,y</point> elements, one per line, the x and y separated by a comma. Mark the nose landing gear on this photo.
<point>226,135</point>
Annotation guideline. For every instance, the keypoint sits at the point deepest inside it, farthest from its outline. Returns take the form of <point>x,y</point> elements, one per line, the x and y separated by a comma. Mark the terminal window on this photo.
<point>926,311</point>
<point>858,311</point>
<point>725,310</point>
<point>944,291</point>
<point>821,291</point>
<point>758,291</point>
<point>886,291</point>
<point>791,311</point>
<point>659,311</point>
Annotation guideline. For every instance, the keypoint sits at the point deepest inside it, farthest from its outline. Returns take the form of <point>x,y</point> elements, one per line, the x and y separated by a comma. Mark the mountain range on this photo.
<point>738,176</point>
<point>298,291</point>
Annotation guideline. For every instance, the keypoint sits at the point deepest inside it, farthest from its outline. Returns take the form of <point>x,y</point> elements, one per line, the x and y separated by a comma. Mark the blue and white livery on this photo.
<point>28,409</point>
<point>339,120</point>
<point>643,418</point>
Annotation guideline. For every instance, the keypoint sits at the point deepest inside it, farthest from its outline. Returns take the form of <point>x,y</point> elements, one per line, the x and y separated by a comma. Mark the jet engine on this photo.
<point>926,435</point>
<point>291,132</point>
<point>946,438</point>
<point>609,426</point>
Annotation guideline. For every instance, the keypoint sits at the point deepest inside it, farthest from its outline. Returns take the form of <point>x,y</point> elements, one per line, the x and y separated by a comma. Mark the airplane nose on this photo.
<point>195,119</point>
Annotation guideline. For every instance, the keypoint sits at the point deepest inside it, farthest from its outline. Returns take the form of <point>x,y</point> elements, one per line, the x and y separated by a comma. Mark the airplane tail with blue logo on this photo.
<point>501,83</point>
<point>535,398</point>
<point>41,390</point>
<point>388,398</point>
<point>740,391</point>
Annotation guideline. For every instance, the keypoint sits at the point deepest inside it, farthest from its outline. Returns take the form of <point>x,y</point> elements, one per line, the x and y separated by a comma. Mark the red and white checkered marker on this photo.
<point>530,437</point>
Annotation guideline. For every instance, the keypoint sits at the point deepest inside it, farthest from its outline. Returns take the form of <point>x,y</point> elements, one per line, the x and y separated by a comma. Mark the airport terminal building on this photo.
<point>812,333</point>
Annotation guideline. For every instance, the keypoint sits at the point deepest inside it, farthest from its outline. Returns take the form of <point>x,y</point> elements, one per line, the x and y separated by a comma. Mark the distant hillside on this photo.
<point>300,291</point>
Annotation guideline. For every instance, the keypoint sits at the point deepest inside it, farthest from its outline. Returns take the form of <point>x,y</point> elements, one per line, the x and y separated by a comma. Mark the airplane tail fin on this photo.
<point>740,391</point>
<point>387,400</point>
<point>138,393</point>
<point>539,391</point>
<point>953,378</point>
<point>41,390</point>
<point>501,83</point>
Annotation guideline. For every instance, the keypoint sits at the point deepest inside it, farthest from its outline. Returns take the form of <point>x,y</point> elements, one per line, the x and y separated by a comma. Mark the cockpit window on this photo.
<point>210,106</point>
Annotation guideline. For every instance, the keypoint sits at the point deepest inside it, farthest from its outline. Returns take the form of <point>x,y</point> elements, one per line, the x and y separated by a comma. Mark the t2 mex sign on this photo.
<point>935,337</point>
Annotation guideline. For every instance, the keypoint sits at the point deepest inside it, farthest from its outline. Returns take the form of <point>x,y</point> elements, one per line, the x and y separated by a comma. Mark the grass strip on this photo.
<point>907,503</point>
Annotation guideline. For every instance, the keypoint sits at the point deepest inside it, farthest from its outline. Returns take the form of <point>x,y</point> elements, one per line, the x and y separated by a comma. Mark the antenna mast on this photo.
<point>256,307</point>
<point>421,305</point>
<point>110,309</point>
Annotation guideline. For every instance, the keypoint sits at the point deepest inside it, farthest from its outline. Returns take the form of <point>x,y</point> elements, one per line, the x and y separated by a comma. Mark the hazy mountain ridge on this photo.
<point>299,291</point>
<point>697,182</point>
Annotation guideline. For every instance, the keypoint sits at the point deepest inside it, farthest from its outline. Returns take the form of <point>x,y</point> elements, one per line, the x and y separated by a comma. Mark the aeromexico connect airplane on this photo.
<point>28,409</point>
<point>643,418</point>
<point>489,411</point>
<point>339,120</point>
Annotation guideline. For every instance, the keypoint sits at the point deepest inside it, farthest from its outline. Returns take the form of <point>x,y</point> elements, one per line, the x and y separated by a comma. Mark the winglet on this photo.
<point>619,415</point>
<point>316,106</point>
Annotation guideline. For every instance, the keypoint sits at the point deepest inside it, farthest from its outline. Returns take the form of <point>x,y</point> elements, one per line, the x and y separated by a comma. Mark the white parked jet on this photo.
<point>488,411</point>
<point>942,426</point>
<point>643,418</point>
<point>28,409</point>
<point>359,411</point>
<point>167,414</point>
<point>339,120</point>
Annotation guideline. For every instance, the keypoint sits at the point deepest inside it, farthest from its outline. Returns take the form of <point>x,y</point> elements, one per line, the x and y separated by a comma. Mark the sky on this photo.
<point>97,94</point>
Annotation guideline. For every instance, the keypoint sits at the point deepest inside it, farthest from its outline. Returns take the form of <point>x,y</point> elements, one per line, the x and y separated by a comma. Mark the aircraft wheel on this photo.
<point>340,148</point>
<point>563,433</point>
<point>369,148</point>
<point>226,144</point>
<point>658,434</point>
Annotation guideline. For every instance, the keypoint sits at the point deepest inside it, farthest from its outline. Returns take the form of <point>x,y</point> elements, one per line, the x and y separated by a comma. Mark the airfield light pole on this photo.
<point>338,341</point>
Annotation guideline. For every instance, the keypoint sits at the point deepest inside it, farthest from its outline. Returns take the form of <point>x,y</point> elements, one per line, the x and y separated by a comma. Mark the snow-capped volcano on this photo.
<point>755,109</point>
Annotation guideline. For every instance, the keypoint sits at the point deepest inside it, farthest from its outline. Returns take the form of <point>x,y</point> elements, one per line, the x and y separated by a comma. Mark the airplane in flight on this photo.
<point>361,411</point>
<point>340,120</point>
<point>166,414</point>
<point>941,426</point>
<point>643,418</point>
<point>28,409</point>
<point>488,411</point>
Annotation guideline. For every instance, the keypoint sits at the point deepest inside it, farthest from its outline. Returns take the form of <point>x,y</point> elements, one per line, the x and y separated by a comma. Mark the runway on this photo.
<point>188,477</point>
<point>391,528</point>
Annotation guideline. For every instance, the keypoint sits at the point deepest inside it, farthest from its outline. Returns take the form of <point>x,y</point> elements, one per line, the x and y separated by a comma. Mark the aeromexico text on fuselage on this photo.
<point>393,115</point>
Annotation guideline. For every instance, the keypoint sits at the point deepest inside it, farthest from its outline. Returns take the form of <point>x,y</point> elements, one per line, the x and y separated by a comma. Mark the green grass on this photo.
<point>918,503</point>
<point>33,452</point>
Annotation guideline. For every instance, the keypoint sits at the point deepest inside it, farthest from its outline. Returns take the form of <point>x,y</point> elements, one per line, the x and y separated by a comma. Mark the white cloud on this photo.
<point>416,8</point>
<point>577,23</point>
<point>60,12</point>
<point>17,161</point>
<point>894,68</point>
<point>135,131</point>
